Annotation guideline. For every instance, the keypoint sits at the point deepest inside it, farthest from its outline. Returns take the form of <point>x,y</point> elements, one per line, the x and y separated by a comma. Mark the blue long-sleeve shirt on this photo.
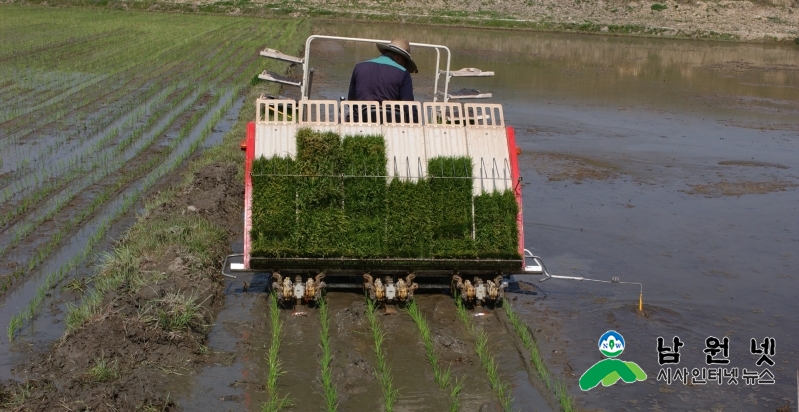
<point>380,79</point>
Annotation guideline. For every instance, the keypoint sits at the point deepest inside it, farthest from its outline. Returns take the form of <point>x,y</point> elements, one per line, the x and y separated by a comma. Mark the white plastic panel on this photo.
<point>275,128</point>
<point>488,146</point>
<point>358,123</point>
<point>406,152</point>
<point>444,131</point>
<point>275,139</point>
<point>405,146</point>
<point>401,112</point>
<point>319,115</point>
<point>275,111</point>
<point>484,114</point>
<point>491,167</point>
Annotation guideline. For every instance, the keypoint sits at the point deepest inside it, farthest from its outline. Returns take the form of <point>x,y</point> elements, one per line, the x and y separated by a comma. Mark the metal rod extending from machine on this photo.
<point>614,279</point>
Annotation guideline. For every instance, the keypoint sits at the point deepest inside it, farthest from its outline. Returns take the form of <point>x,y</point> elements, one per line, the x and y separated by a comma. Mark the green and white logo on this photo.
<point>609,371</point>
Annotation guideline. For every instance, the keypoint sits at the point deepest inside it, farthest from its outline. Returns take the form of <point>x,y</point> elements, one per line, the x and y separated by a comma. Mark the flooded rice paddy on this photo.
<point>87,125</point>
<point>669,163</point>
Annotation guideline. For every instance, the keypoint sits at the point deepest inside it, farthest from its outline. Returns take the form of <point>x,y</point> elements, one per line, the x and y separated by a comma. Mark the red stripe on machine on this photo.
<point>517,184</point>
<point>249,156</point>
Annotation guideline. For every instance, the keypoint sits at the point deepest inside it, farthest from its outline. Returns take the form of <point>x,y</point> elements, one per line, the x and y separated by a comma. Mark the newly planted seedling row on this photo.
<point>553,384</point>
<point>443,377</point>
<point>501,388</point>
<point>382,370</point>
<point>61,200</point>
<point>172,161</point>
<point>275,402</point>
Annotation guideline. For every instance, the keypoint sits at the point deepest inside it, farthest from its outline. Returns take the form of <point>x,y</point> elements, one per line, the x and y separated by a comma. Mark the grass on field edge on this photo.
<point>488,20</point>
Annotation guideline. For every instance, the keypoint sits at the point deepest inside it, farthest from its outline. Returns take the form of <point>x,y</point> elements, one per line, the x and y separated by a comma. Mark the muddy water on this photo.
<point>670,163</point>
<point>240,341</point>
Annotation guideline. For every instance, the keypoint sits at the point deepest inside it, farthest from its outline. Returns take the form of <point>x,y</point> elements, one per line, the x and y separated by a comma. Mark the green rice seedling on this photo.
<point>321,221</point>
<point>77,285</point>
<point>529,343</point>
<point>383,370</point>
<point>328,386</point>
<point>275,402</point>
<point>334,201</point>
<point>496,231</point>
<point>556,386</point>
<point>364,158</point>
<point>451,204</point>
<point>501,389</point>
<point>455,395</point>
<point>274,207</point>
<point>566,401</point>
<point>442,376</point>
<point>408,221</point>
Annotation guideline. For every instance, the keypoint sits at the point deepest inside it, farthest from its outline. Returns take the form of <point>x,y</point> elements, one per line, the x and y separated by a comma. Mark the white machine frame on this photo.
<point>307,73</point>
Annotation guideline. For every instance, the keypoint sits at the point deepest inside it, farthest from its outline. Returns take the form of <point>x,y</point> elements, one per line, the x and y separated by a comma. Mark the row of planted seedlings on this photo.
<point>126,74</point>
<point>104,161</point>
<point>442,375</point>
<point>21,89</point>
<point>128,97</point>
<point>129,200</point>
<point>275,401</point>
<point>26,315</point>
<point>101,170</point>
<point>89,306</point>
<point>501,389</point>
<point>43,252</point>
<point>48,177</point>
<point>382,368</point>
<point>554,385</point>
<point>71,100</point>
<point>131,70</point>
<point>134,104</point>
<point>126,100</point>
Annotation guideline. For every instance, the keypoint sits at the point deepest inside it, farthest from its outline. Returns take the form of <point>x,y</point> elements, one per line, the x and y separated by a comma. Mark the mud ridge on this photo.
<point>126,338</point>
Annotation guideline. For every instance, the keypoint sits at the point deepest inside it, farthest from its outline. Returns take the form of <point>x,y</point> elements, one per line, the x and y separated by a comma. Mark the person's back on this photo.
<point>380,79</point>
<point>387,77</point>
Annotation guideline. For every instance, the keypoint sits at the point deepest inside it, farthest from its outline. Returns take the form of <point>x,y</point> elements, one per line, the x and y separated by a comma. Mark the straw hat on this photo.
<point>401,47</point>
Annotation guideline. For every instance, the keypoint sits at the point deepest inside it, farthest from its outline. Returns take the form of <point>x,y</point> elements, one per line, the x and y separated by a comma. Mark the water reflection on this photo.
<point>629,70</point>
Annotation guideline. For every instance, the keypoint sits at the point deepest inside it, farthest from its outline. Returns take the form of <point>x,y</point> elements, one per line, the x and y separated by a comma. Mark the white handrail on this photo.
<point>437,47</point>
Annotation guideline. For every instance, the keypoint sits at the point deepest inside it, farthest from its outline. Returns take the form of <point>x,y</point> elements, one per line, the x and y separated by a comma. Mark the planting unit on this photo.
<point>390,196</point>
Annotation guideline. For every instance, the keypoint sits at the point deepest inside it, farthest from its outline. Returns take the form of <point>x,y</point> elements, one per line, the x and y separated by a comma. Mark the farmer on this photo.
<point>387,77</point>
